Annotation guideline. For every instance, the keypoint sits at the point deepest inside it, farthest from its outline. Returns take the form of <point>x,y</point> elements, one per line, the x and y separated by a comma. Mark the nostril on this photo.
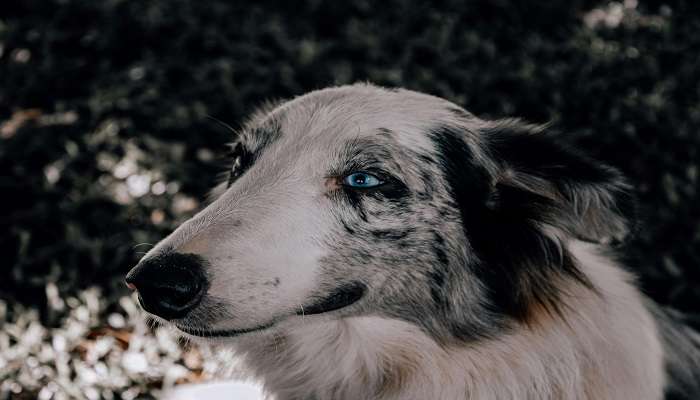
<point>177,295</point>
<point>171,301</point>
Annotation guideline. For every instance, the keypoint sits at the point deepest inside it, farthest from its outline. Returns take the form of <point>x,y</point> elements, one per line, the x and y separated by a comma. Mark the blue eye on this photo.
<point>361,180</point>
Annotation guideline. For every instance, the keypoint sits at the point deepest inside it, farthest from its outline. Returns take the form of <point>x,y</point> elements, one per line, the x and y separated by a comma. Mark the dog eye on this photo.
<point>240,160</point>
<point>362,180</point>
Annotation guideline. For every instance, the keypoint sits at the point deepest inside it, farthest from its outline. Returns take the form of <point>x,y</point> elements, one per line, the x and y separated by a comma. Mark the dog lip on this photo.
<point>222,332</point>
<point>341,297</point>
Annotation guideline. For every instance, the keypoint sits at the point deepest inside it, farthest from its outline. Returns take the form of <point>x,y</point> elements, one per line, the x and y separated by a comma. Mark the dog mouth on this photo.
<point>207,333</point>
<point>341,297</point>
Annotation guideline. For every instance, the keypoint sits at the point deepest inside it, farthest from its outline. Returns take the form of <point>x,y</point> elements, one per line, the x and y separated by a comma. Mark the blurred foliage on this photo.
<point>106,143</point>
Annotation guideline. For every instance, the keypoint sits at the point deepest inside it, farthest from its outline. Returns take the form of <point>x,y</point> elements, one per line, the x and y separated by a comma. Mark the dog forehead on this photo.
<point>330,117</point>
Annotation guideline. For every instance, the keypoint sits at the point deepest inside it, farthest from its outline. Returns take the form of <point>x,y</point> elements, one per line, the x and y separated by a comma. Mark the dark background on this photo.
<point>106,141</point>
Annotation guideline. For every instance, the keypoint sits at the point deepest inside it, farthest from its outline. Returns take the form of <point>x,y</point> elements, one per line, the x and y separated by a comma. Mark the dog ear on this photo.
<point>567,190</point>
<point>521,194</point>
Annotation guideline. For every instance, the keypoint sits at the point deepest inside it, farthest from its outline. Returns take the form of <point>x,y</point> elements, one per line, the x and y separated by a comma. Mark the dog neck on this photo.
<point>606,347</point>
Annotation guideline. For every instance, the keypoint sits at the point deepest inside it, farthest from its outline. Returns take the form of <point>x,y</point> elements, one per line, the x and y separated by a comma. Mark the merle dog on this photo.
<point>373,243</point>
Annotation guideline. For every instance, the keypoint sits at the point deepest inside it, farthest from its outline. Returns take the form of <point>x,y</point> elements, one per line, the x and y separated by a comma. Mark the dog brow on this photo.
<point>363,153</point>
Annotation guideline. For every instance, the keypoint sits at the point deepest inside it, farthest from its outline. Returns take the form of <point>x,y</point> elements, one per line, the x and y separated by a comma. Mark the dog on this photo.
<point>374,243</point>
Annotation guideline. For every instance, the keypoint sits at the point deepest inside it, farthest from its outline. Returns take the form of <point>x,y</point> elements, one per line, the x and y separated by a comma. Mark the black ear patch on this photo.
<point>514,211</point>
<point>588,199</point>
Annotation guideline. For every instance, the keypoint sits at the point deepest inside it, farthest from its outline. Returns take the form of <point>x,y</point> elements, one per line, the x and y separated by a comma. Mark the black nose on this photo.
<point>169,285</point>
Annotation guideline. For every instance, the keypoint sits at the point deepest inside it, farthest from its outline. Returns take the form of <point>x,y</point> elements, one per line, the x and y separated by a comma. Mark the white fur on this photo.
<point>607,348</point>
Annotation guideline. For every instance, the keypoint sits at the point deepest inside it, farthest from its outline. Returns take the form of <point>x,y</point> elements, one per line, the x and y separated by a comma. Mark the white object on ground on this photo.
<point>233,390</point>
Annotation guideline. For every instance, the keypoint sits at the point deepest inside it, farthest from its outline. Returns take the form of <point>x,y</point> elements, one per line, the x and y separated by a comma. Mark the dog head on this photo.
<point>361,200</point>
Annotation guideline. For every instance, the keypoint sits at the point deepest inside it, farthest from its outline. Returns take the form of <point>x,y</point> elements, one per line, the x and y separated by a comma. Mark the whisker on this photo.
<point>222,123</point>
